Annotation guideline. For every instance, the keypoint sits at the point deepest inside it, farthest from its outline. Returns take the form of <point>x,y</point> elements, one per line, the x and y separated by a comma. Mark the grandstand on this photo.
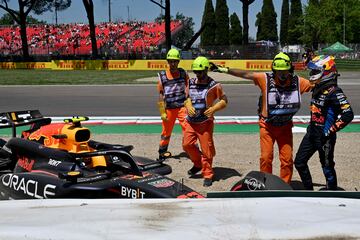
<point>74,39</point>
<point>115,40</point>
<point>124,40</point>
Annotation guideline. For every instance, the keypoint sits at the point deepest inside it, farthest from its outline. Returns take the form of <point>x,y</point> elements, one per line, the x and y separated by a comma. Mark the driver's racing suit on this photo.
<point>330,112</point>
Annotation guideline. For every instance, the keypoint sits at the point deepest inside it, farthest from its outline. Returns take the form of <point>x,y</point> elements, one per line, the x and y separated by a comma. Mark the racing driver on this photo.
<point>330,112</point>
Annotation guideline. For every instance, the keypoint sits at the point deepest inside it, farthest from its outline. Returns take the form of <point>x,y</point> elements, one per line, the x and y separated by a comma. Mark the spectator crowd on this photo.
<point>70,39</point>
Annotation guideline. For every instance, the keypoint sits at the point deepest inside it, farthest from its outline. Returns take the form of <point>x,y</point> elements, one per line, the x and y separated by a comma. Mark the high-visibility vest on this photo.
<point>174,89</point>
<point>282,102</point>
<point>198,94</point>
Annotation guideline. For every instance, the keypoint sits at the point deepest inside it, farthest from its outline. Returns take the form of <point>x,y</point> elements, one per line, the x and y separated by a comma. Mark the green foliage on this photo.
<point>222,23</point>
<point>42,6</point>
<point>31,20</point>
<point>186,33</point>
<point>74,77</point>
<point>324,22</point>
<point>161,17</point>
<point>61,5</point>
<point>352,21</point>
<point>311,26</point>
<point>258,25</point>
<point>267,22</point>
<point>295,22</point>
<point>7,19</point>
<point>284,22</point>
<point>334,23</point>
<point>235,35</point>
<point>208,35</point>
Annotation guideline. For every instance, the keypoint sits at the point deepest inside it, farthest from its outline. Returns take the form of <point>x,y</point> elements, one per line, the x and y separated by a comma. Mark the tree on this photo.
<point>167,22</point>
<point>311,26</point>
<point>267,23</point>
<point>60,5</point>
<point>235,35</point>
<point>258,25</point>
<point>284,22</point>
<point>20,17</point>
<point>245,11</point>
<point>7,19</point>
<point>351,26</point>
<point>185,34</point>
<point>187,31</point>
<point>89,7</point>
<point>159,19</point>
<point>222,23</point>
<point>31,20</point>
<point>208,21</point>
<point>343,23</point>
<point>325,22</point>
<point>295,22</point>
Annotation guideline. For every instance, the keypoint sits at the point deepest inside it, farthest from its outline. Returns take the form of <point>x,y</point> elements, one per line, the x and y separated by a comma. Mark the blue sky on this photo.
<point>148,11</point>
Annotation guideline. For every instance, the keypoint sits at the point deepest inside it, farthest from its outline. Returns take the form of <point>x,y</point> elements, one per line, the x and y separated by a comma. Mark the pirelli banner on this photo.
<point>110,65</point>
<point>25,65</point>
<point>256,65</point>
<point>153,64</point>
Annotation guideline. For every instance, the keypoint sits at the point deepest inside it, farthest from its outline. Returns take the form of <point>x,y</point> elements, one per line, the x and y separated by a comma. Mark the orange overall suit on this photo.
<point>200,127</point>
<point>172,87</point>
<point>276,110</point>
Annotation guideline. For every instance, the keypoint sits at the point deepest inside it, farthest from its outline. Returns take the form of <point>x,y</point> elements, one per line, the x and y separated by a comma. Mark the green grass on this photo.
<point>156,129</point>
<point>343,64</point>
<point>87,77</point>
<point>72,77</point>
<point>78,77</point>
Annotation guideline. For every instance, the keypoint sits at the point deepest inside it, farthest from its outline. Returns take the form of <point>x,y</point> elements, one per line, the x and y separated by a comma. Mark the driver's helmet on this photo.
<point>200,64</point>
<point>173,54</point>
<point>281,62</point>
<point>322,67</point>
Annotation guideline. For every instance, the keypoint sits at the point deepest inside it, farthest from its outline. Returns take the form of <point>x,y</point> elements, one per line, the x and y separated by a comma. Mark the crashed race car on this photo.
<point>59,160</point>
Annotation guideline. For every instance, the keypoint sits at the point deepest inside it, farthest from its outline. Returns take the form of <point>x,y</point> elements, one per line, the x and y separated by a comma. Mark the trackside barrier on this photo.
<point>134,64</point>
<point>226,218</point>
<point>278,193</point>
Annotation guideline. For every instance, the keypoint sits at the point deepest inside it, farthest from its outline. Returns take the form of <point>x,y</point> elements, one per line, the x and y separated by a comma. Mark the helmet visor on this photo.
<point>315,71</point>
<point>197,72</point>
<point>315,74</point>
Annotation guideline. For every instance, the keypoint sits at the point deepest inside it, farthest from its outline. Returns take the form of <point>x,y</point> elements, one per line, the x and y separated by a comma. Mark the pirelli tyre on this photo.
<point>255,181</point>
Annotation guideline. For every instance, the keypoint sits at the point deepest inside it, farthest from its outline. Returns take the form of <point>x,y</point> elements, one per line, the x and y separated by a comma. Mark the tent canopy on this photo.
<point>336,48</point>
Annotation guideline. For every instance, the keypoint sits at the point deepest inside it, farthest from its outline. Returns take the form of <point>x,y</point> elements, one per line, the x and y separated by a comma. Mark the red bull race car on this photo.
<point>59,160</point>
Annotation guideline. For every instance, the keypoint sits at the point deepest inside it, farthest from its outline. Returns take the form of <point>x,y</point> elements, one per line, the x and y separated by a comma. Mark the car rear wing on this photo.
<point>22,118</point>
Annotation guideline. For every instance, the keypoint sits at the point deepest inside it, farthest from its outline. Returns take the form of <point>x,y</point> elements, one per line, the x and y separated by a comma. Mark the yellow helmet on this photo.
<point>173,54</point>
<point>281,62</point>
<point>200,64</point>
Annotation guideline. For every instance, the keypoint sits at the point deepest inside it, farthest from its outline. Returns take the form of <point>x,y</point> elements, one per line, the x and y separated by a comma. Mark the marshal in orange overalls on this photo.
<point>200,127</point>
<point>172,89</point>
<point>278,130</point>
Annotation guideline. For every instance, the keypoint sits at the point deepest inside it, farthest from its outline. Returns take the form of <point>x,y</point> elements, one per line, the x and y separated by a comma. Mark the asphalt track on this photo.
<point>139,100</point>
